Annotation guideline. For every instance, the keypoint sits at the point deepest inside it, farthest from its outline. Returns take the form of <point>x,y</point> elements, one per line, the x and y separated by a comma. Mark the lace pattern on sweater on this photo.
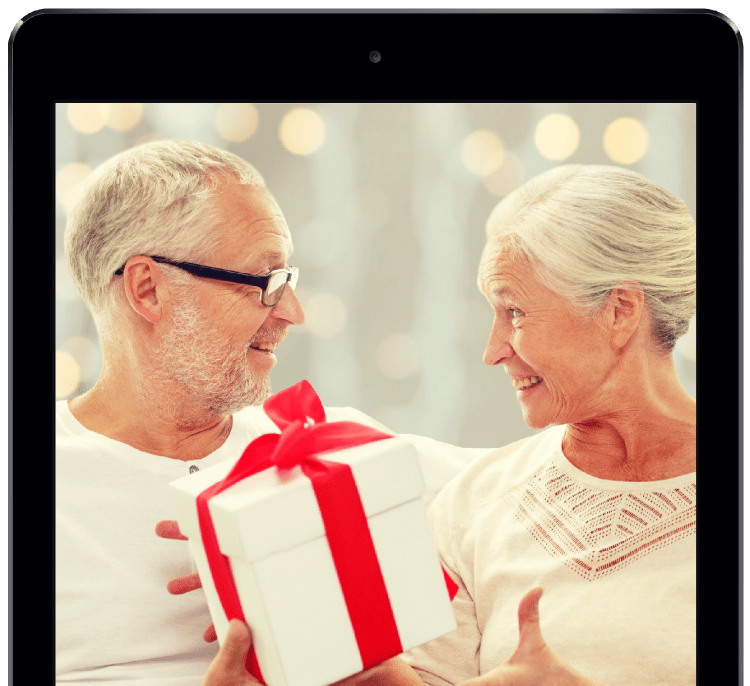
<point>598,532</point>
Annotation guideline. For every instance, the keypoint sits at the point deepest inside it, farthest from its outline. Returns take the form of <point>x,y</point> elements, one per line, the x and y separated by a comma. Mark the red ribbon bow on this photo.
<point>298,412</point>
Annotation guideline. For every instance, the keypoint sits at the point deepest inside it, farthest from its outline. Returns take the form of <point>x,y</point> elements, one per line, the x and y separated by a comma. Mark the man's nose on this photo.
<point>289,307</point>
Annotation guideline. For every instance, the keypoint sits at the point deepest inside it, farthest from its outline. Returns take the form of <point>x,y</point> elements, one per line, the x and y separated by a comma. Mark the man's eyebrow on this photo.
<point>267,257</point>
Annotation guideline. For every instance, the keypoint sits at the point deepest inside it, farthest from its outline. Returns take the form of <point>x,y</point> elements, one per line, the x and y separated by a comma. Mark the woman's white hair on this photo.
<point>587,228</point>
<point>153,199</point>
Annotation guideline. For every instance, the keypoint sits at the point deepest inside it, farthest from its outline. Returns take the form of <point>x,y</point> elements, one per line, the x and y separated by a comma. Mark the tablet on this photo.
<point>387,138</point>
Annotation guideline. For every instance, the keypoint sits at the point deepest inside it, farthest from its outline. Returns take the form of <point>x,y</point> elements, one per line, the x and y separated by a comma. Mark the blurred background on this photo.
<point>387,204</point>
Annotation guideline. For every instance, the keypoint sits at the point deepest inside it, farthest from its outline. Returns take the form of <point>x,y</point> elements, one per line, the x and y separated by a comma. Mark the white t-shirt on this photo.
<point>616,560</point>
<point>115,620</point>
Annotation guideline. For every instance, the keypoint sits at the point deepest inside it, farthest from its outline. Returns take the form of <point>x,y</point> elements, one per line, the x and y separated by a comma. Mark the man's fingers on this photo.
<point>169,529</point>
<point>209,635</point>
<point>528,622</point>
<point>183,584</point>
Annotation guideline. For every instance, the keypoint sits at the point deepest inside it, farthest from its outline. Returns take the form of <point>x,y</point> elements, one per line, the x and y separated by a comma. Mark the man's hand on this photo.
<point>228,667</point>
<point>533,663</point>
<point>188,582</point>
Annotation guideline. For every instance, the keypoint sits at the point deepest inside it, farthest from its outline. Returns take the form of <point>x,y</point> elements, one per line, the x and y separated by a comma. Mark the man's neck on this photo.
<point>138,424</point>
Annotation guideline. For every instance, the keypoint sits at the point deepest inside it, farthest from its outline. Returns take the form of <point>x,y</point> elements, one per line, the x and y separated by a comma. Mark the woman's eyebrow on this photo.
<point>503,293</point>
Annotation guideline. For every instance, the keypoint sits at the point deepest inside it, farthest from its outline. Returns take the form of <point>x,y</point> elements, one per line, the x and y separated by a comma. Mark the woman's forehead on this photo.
<point>500,256</point>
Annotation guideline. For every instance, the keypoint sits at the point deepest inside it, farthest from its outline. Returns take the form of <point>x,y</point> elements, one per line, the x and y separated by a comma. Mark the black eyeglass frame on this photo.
<point>227,275</point>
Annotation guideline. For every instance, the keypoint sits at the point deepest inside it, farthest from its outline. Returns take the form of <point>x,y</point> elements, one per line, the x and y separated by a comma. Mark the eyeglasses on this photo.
<point>271,284</point>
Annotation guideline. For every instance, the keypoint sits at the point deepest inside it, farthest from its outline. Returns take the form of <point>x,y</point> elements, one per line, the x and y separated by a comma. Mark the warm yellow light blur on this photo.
<point>86,353</point>
<point>302,131</point>
<point>67,374</point>
<point>325,315</point>
<point>557,136</point>
<point>123,116</point>
<point>68,182</point>
<point>236,121</point>
<point>398,356</point>
<point>88,117</point>
<point>482,152</point>
<point>625,140</point>
<point>508,177</point>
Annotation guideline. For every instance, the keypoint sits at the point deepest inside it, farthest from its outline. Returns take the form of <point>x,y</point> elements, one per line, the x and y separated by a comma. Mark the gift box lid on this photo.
<point>274,510</point>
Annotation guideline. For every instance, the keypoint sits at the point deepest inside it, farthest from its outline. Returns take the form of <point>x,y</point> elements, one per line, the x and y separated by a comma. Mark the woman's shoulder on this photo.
<point>490,477</point>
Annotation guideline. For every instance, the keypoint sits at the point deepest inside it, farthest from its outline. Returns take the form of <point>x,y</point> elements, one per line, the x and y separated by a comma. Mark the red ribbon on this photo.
<point>298,412</point>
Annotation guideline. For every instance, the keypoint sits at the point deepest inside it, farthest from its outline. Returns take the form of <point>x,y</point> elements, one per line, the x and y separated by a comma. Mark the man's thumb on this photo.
<point>233,651</point>
<point>228,667</point>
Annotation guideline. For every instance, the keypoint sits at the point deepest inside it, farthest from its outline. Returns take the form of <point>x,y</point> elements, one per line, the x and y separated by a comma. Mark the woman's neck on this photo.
<point>648,437</point>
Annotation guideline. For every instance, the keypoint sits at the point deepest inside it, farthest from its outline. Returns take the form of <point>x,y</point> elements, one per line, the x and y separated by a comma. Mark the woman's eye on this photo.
<point>514,313</point>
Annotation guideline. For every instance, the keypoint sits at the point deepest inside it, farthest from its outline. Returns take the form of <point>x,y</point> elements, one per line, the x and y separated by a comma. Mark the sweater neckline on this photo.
<point>224,451</point>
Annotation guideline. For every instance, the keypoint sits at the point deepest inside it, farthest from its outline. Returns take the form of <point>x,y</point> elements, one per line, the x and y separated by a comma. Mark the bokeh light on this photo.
<point>67,374</point>
<point>87,355</point>
<point>508,177</point>
<point>557,136</point>
<point>325,315</point>
<point>398,356</point>
<point>124,116</point>
<point>625,140</point>
<point>236,121</point>
<point>68,182</point>
<point>302,131</point>
<point>88,117</point>
<point>482,152</point>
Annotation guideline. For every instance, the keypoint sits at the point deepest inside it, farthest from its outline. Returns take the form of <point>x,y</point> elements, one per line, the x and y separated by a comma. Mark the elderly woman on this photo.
<point>590,272</point>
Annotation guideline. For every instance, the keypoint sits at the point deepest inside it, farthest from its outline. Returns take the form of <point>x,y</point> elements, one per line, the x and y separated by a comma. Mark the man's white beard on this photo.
<point>196,374</point>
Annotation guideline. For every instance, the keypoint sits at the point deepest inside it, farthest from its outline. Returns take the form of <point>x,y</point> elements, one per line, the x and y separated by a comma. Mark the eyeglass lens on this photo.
<point>276,286</point>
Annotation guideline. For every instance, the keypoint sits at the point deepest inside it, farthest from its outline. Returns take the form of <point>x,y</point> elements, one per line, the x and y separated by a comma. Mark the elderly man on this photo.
<point>182,255</point>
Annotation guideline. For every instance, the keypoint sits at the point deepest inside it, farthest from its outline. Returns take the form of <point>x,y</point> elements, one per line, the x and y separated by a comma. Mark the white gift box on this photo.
<point>270,527</point>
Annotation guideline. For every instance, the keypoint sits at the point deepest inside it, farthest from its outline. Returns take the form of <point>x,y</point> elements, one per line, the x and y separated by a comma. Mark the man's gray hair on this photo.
<point>587,228</point>
<point>153,199</point>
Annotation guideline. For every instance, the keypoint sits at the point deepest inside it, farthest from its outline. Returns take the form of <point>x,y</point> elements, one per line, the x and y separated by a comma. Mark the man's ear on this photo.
<point>624,312</point>
<point>144,287</point>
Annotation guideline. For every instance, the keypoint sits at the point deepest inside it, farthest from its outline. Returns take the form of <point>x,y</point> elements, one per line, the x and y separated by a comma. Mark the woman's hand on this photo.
<point>533,663</point>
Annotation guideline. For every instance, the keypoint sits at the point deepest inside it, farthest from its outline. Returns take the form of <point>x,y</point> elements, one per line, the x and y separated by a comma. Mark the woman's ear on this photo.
<point>144,285</point>
<point>624,312</point>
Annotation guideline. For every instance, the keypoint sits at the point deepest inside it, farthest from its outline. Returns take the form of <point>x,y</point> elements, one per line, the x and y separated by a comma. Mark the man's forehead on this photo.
<point>251,232</point>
